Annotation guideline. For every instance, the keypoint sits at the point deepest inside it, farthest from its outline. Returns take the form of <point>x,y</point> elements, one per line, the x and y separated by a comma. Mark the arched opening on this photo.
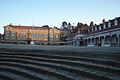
<point>89,40</point>
<point>93,41</point>
<point>96,41</point>
<point>85,42</point>
<point>108,40</point>
<point>114,40</point>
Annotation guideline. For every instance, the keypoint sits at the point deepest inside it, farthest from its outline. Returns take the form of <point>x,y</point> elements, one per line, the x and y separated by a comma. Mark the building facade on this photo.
<point>104,34</point>
<point>54,34</point>
<point>65,33</point>
<point>76,39</point>
<point>35,33</point>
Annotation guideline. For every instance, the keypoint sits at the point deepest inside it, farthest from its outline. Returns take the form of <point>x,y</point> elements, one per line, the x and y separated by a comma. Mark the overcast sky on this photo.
<point>54,12</point>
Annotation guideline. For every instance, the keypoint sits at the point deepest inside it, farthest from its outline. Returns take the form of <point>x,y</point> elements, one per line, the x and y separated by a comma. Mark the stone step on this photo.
<point>75,63</point>
<point>4,77</point>
<point>73,58</point>
<point>18,72</point>
<point>34,71</point>
<point>82,71</point>
<point>40,68</point>
<point>13,76</point>
<point>100,55</point>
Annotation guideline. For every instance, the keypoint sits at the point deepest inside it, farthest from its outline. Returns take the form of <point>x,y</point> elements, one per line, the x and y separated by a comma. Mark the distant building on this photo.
<point>83,30</point>
<point>76,39</point>
<point>13,32</point>
<point>35,33</point>
<point>54,34</point>
<point>65,33</point>
<point>104,34</point>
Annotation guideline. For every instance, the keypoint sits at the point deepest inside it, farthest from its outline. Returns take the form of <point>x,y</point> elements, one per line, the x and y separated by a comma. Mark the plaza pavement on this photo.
<point>62,48</point>
<point>63,62</point>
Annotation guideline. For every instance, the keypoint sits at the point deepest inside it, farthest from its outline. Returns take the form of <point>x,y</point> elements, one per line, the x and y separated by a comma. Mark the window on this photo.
<point>13,28</point>
<point>92,29</point>
<point>34,35</point>
<point>52,30</point>
<point>8,28</point>
<point>99,27</point>
<point>95,28</point>
<point>78,31</point>
<point>109,24</point>
<point>43,35</point>
<point>37,35</point>
<point>40,35</point>
<point>104,26</point>
<point>13,34</point>
<point>115,22</point>
<point>22,34</point>
<point>7,34</point>
<point>46,35</point>
<point>51,35</point>
<point>113,40</point>
<point>57,35</point>
<point>25,35</point>
<point>88,30</point>
<point>19,34</point>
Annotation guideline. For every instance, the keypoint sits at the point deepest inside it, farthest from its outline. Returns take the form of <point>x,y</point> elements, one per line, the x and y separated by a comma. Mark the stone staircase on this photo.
<point>38,65</point>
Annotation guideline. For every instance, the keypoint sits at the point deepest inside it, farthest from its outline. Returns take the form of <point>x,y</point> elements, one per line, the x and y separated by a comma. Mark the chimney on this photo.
<point>103,20</point>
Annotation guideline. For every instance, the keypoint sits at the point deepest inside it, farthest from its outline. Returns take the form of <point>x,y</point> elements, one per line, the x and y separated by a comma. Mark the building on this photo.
<point>76,39</point>
<point>65,33</point>
<point>104,34</point>
<point>13,32</point>
<point>35,33</point>
<point>54,34</point>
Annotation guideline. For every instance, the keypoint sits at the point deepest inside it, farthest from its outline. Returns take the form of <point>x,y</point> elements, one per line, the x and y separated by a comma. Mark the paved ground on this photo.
<point>40,62</point>
<point>62,48</point>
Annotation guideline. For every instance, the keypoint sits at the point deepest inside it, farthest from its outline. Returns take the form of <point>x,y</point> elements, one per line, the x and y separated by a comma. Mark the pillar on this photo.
<point>119,40</point>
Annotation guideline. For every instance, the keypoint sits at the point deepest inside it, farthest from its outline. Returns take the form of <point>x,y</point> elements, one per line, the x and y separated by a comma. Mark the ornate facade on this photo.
<point>35,33</point>
<point>105,34</point>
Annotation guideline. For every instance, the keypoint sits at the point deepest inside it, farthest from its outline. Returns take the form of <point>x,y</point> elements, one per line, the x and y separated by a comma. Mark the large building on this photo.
<point>105,34</point>
<point>35,33</point>
<point>54,34</point>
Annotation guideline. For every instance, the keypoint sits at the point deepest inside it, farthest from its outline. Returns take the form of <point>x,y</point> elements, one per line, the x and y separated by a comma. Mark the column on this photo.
<point>90,41</point>
<point>118,40</point>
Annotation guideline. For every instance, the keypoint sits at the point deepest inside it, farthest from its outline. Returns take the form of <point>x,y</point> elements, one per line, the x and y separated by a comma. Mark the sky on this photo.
<point>54,12</point>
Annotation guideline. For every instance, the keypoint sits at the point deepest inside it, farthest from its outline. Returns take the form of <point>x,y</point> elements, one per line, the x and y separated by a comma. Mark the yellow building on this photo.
<point>13,32</point>
<point>54,34</point>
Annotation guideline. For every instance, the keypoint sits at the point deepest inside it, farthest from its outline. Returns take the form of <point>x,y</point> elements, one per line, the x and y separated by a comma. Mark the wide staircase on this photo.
<point>53,65</point>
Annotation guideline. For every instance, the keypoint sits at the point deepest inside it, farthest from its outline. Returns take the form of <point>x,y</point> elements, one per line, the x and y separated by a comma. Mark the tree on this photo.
<point>103,20</point>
